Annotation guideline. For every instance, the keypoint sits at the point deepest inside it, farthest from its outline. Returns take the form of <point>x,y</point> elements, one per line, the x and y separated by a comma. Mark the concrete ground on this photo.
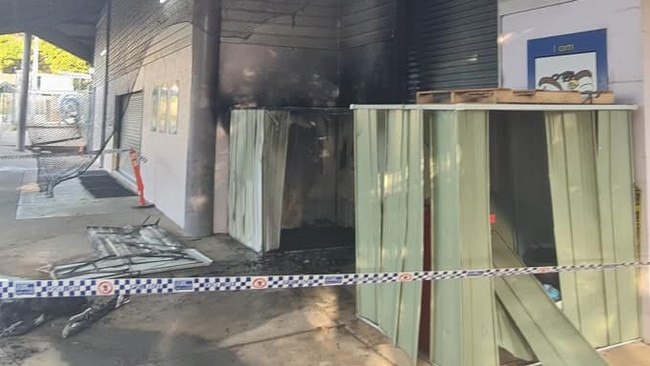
<point>276,327</point>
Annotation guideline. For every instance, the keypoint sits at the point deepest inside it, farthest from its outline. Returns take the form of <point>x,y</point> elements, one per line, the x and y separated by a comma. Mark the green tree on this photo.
<point>11,52</point>
<point>52,59</point>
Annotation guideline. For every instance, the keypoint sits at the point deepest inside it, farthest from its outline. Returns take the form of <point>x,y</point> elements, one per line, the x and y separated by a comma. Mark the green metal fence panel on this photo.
<point>510,337</point>
<point>395,192</point>
<point>368,207</point>
<point>574,195</point>
<point>245,209</point>
<point>446,327</point>
<point>552,337</point>
<point>591,190</point>
<point>616,207</point>
<point>464,321</point>
<point>390,202</point>
<point>274,162</point>
<point>412,252</point>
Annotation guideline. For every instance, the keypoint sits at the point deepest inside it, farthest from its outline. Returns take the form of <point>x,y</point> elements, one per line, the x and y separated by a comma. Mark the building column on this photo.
<point>641,137</point>
<point>199,193</point>
<point>24,92</point>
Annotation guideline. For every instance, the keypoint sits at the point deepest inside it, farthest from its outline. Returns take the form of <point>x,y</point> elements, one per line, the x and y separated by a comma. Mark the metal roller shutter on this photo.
<point>452,44</point>
<point>130,131</point>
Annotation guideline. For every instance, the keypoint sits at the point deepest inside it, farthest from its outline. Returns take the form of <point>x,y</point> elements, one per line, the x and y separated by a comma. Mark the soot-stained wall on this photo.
<point>311,53</point>
<point>372,53</point>
<point>279,53</point>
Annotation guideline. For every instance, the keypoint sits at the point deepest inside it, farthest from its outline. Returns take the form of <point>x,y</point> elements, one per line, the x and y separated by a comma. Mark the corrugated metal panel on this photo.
<point>134,24</point>
<point>587,175</point>
<point>389,199</point>
<point>282,23</point>
<point>130,131</point>
<point>245,208</point>
<point>279,53</point>
<point>369,56</point>
<point>463,322</point>
<point>99,65</point>
<point>364,22</point>
<point>453,44</point>
<point>169,41</point>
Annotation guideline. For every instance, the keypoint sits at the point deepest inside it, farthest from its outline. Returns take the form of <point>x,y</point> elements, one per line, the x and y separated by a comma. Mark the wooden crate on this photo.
<point>509,96</point>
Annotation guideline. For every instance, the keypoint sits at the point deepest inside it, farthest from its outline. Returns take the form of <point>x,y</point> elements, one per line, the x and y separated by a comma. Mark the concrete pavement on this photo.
<point>277,327</point>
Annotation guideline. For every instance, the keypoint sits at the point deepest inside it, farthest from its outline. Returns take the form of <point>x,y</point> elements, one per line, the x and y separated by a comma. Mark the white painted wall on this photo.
<point>164,174</point>
<point>516,6</point>
<point>628,62</point>
<point>622,18</point>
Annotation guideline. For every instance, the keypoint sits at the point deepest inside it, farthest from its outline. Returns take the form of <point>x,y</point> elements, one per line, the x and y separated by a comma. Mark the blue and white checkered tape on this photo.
<point>12,289</point>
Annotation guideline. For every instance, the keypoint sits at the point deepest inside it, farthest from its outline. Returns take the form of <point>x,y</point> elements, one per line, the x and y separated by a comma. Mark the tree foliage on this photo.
<point>11,52</point>
<point>51,58</point>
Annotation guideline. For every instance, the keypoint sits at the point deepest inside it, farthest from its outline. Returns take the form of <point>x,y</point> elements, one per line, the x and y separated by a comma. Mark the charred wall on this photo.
<point>274,53</point>
<point>319,181</point>
<point>371,51</point>
<point>279,53</point>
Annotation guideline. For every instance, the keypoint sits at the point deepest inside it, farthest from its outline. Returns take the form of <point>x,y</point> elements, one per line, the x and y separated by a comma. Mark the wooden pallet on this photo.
<point>509,96</point>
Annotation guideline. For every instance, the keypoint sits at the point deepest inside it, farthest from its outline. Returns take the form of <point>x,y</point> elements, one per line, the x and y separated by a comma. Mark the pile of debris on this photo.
<point>20,316</point>
<point>121,252</point>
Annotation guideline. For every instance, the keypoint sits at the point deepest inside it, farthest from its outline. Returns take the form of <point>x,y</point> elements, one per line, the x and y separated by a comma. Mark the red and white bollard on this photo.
<point>138,179</point>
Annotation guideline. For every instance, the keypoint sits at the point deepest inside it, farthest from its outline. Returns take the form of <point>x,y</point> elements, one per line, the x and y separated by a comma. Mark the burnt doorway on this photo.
<point>318,197</point>
<point>520,188</point>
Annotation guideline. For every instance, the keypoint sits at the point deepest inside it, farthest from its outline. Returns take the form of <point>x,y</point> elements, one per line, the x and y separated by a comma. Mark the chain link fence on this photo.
<point>59,134</point>
<point>58,130</point>
<point>7,111</point>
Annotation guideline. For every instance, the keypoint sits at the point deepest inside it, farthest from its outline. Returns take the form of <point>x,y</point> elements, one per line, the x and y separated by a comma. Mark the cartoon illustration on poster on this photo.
<point>568,72</point>
<point>569,62</point>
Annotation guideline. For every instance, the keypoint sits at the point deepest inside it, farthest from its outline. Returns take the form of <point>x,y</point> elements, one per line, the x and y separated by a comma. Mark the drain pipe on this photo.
<point>199,192</point>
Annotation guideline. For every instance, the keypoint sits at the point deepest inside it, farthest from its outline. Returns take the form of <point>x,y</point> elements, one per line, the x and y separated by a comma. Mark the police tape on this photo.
<point>13,289</point>
<point>56,155</point>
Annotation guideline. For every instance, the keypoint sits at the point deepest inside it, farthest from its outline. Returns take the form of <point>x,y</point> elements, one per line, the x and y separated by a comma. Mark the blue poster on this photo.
<point>576,61</point>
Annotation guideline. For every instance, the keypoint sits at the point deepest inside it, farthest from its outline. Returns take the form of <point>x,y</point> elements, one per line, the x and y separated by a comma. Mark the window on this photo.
<point>155,96</point>
<point>163,108</point>
<point>173,108</point>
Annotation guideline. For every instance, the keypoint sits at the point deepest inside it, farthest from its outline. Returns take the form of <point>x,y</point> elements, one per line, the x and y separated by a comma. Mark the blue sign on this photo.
<point>25,289</point>
<point>184,285</point>
<point>333,280</point>
<point>576,61</point>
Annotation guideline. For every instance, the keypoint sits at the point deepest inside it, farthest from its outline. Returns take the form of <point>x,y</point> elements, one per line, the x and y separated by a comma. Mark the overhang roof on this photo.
<point>69,24</point>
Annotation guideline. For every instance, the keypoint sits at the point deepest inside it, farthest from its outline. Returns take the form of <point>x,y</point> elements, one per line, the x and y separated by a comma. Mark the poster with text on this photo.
<point>570,62</point>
